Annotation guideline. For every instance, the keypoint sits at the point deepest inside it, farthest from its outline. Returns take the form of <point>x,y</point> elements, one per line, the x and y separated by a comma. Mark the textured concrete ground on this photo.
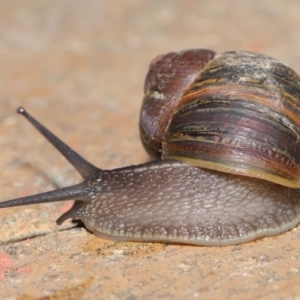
<point>79,67</point>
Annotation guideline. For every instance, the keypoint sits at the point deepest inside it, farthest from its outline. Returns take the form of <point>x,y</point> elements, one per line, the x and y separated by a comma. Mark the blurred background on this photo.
<point>79,67</point>
<point>88,60</point>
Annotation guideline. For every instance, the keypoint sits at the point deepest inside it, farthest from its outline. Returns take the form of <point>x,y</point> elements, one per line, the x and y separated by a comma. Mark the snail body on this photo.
<point>224,130</point>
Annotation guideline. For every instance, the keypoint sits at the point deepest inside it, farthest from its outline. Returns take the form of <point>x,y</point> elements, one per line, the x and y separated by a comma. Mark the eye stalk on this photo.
<point>86,170</point>
<point>83,167</point>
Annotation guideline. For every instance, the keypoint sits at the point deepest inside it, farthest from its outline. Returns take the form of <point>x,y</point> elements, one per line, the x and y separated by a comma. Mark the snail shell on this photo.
<point>238,114</point>
<point>224,129</point>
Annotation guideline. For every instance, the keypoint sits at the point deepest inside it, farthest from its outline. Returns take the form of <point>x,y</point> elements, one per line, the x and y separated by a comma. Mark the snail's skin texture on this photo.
<point>173,202</point>
<point>231,121</point>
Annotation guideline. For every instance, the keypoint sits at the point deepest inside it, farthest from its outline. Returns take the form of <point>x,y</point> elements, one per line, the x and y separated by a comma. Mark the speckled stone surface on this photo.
<point>79,67</point>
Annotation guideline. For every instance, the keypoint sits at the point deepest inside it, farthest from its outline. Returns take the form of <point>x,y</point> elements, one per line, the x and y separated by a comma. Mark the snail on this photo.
<point>224,132</point>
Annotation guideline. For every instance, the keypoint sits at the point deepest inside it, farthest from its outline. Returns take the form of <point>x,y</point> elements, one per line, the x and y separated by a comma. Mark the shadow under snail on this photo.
<point>225,132</point>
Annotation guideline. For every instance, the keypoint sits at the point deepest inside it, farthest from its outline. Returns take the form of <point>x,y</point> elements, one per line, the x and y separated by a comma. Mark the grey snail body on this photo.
<point>225,132</point>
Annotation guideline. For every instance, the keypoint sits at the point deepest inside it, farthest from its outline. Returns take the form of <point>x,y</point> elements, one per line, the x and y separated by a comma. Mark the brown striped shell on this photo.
<point>236,112</point>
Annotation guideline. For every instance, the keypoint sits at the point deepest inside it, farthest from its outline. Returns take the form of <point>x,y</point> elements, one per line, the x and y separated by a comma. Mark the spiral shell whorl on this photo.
<point>168,78</point>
